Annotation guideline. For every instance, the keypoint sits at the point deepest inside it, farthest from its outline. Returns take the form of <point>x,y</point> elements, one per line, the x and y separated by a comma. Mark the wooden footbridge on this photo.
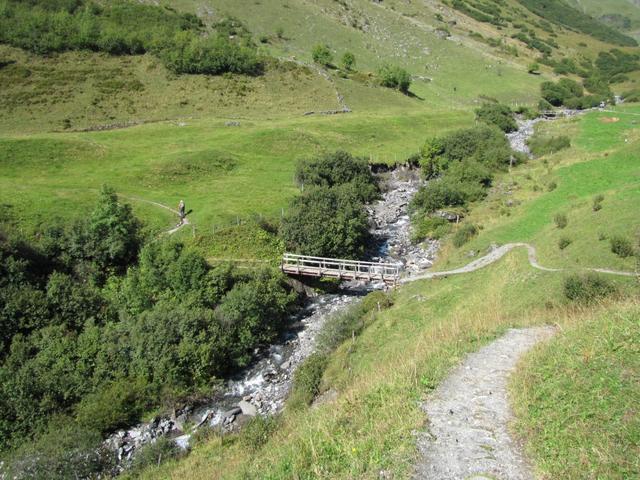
<point>338,268</point>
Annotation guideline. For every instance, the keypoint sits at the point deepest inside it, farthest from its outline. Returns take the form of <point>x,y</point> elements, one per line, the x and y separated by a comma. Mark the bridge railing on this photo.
<point>294,263</point>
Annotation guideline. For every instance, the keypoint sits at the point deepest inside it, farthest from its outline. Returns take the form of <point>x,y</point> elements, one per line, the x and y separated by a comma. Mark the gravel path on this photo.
<point>151,202</point>
<point>496,255</point>
<point>469,415</point>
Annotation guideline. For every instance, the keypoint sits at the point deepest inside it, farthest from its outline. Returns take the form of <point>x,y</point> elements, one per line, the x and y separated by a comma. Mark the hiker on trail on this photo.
<point>181,213</point>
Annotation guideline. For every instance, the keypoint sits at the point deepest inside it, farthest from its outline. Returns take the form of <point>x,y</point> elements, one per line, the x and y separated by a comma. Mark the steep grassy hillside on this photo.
<point>623,15</point>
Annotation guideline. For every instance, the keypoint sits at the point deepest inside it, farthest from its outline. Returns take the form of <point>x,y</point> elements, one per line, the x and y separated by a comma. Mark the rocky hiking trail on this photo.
<point>469,415</point>
<point>496,254</point>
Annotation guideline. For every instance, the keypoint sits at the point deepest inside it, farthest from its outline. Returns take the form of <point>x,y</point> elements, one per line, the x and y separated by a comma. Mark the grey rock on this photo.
<point>247,408</point>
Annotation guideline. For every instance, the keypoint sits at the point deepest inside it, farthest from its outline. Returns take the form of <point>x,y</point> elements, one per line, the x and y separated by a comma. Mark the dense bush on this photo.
<point>621,246</point>
<point>64,451</point>
<point>327,222</point>
<point>429,227</point>
<point>348,61</point>
<point>587,288</point>
<point>564,242</point>
<point>442,193</point>
<point>338,168</point>
<point>541,145</point>
<point>322,55</point>
<point>115,405</point>
<point>497,114</point>
<point>127,27</point>
<point>306,380</point>
<point>465,233</point>
<point>561,220</point>
<point>557,94</point>
<point>189,52</point>
<point>155,453</point>
<point>392,76</point>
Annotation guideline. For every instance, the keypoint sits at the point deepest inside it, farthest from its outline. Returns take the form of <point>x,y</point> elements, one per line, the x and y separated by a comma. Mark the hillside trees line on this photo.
<point>97,328</point>
<point>125,27</point>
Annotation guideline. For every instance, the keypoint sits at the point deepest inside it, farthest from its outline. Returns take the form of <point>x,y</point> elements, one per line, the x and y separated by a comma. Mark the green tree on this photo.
<point>534,68</point>
<point>327,222</point>
<point>322,55</point>
<point>335,169</point>
<point>110,237</point>
<point>392,76</point>
<point>348,61</point>
<point>497,114</point>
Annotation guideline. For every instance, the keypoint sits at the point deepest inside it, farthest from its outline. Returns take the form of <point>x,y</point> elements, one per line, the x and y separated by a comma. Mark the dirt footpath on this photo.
<point>469,413</point>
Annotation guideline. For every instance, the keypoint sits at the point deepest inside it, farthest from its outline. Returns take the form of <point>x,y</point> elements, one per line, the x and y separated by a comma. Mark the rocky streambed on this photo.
<point>261,388</point>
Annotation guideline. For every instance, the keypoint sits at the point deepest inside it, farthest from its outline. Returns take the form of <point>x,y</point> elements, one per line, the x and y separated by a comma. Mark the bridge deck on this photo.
<point>337,268</point>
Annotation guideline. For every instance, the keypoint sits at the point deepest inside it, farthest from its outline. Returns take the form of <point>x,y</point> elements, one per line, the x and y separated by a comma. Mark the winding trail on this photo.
<point>469,414</point>
<point>496,255</point>
<point>151,202</point>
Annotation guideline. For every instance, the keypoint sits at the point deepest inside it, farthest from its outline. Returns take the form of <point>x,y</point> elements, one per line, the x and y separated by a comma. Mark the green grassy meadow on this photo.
<point>222,172</point>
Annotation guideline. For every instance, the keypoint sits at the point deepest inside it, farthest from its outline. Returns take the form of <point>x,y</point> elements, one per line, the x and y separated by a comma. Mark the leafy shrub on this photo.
<point>498,115</point>
<point>113,406</point>
<point>327,222</point>
<point>429,227</point>
<point>621,246</point>
<point>348,61</point>
<point>258,431</point>
<point>127,27</point>
<point>338,168</point>
<point>64,451</point>
<point>465,233</point>
<point>375,301</point>
<point>190,53</point>
<point>540,145</point>
<point>395,77</point>
<point>557,94</point>
<point>306,380</point>
<point>564,242</point>
<point>597,202</point>
<point>438,194</point>
<point>321,54</point>
<point>587,288</point>
<point>534,68</point>
<point>552,186</point>
<point>561,221</point>
<point>156,453</point>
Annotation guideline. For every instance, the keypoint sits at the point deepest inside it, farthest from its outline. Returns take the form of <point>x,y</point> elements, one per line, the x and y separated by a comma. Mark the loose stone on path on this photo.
<point>469,414</point>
